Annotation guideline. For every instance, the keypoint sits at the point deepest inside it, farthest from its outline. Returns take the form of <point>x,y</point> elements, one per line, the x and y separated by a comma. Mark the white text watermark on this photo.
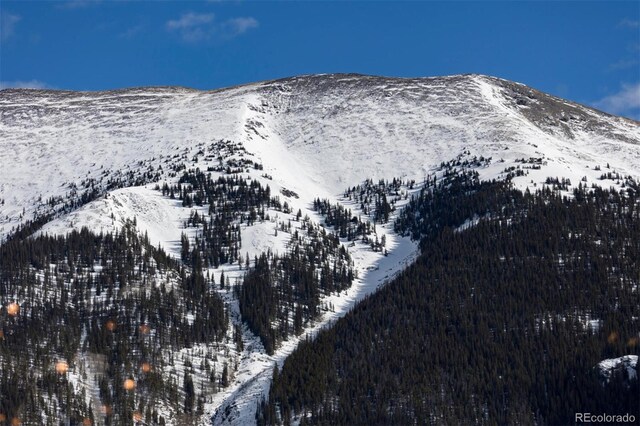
<point>605,418</point>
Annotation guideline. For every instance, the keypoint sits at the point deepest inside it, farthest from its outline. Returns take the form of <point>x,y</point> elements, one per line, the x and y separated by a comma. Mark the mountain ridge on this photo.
<point>107,160</point>
<point>355,75</point>
<point>348,112</point>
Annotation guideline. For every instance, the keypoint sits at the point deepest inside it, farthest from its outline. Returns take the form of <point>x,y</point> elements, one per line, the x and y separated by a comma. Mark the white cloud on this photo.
<point>8,25</point>
<point>623,64</point>
<point>78,4</point>
<point>626,102</point>
<point>33,84</point>
<point>237,26</point>
<point>191,20</point>
<point>629,23</point>
<point>195,27</point>
<point>130,33</point>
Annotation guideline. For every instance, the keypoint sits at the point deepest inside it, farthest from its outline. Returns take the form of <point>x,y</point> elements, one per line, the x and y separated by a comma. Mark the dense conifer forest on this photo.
<point>151,333</point>
<point>110,301</point>
<point>281,293</point>
<point>515,299</point>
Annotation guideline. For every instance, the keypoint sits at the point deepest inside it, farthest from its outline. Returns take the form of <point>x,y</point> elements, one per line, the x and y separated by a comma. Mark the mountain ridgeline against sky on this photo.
<point>165,250</point>
<point>340,129</point>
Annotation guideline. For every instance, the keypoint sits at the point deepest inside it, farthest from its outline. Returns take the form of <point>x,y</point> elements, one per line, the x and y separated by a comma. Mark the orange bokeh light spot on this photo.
<point>3,417</point>
<point>106,410</point>
<point>86,422</point>
<point>137,417</point>
<point>13,309</point>
<point>613,337</point>
<point>62,367</point>
<point>145,367</point>
<point>145,329</point>
<point>16,421</point>
<point>129,384</point>
<point>111,325</point>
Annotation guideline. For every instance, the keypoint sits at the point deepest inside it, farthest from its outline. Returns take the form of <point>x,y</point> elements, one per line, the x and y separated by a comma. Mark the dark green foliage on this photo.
<point>375,201</point>
<point>281,293</point>
<point>373,198</point>
<point>113,299</point>
<point>116,303</point>
<point>189,393</point>
<point>342,220</point>
<point>453,199</point>
<point>490,325</point>
<point>232,201</point>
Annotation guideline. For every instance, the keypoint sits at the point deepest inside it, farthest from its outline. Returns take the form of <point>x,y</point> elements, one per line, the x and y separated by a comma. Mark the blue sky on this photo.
<point>586,51</point>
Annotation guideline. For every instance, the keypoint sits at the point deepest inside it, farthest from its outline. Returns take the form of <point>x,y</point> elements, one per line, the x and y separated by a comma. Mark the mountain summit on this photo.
<point>330,131</point>
<point>189,240</point>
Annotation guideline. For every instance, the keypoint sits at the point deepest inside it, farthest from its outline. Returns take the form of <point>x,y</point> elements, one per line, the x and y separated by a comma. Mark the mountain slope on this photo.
<point>102,160</point>
<point>339,129</point>
<point>374,127</point>
<point>527,317</point>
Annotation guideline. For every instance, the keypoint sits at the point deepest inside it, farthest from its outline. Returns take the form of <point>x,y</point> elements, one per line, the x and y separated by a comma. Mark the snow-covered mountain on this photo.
<point>318,133</point>
<point>75,159</point>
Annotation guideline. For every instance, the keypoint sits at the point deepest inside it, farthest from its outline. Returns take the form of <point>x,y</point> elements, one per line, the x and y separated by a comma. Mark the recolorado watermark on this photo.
<point>605,418</point>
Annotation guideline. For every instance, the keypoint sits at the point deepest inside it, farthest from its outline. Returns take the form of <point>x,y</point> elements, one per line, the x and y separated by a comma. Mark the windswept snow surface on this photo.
<point>315,136</point>
<point>50,140</point>
<point>329,131</point>
<point>161,218</point>
<point>356,127</point>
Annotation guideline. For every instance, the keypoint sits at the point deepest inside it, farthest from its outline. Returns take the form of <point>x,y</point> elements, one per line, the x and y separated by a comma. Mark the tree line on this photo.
<point>501,322</point>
